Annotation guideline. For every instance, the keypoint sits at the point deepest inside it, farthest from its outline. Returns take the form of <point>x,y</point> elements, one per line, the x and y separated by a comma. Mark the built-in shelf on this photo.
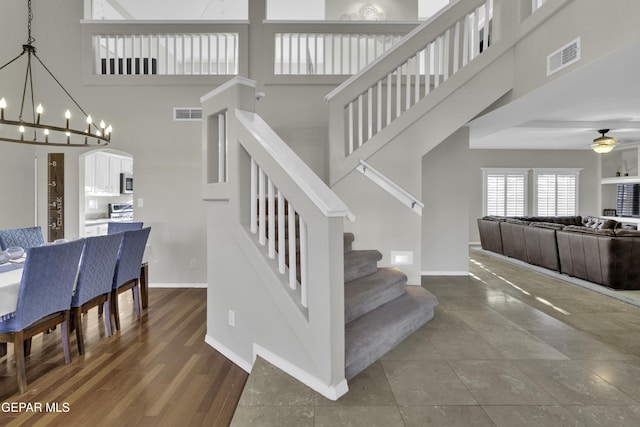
<point>621,180</point>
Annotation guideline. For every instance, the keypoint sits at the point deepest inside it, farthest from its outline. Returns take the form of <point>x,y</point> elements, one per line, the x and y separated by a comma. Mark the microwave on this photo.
<point>126,183</point>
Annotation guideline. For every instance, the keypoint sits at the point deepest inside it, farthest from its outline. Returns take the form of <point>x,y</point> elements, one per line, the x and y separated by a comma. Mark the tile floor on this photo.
<point>508,347</point>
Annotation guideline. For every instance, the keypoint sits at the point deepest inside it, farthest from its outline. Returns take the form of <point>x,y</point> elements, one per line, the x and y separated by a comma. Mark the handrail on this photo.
<point>321,195</point>
<point>391,187</point>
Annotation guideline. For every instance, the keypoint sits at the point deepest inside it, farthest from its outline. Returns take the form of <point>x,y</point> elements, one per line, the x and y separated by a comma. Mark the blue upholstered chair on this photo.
<point>24,237</point>
<point>127,275</point>
<point>95,278</point>
<point>118,227</point>
<point>44,299</point>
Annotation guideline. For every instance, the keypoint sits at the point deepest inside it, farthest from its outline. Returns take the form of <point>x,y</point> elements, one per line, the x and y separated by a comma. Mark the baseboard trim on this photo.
<point>241,362</point>
<point>330,392</point>
<point>178,285</point>
<point>444,273</point>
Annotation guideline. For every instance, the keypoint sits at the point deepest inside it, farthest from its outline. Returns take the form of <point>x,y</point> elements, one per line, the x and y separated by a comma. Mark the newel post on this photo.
<point>219,141</point>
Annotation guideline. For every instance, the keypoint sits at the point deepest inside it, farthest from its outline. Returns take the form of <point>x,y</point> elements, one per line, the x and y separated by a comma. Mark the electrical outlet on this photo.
<point>192,263</point>
<point>232,318</point>
<point>140,202</point>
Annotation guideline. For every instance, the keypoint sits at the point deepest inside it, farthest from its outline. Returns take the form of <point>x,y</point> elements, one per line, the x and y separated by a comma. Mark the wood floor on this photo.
<point>157,371</point>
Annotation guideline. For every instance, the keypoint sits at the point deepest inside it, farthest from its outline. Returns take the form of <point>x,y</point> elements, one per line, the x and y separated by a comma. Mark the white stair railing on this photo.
<point>288,225</point>
<point>426,58</point>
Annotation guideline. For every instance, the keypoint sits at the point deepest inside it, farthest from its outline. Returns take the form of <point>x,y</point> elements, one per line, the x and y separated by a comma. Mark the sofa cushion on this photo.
<point>549,225</point>
<point>627,233</point>
<point>599,223</point>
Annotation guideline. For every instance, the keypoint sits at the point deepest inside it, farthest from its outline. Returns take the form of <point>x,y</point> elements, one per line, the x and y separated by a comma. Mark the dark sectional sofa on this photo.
<point>590,248</point>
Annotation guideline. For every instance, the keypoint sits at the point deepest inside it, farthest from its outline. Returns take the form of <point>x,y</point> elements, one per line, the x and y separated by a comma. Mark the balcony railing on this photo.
<point>166,54</point>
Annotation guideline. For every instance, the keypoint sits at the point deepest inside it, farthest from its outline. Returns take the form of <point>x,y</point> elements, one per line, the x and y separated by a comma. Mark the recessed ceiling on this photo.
<point>566,113</point>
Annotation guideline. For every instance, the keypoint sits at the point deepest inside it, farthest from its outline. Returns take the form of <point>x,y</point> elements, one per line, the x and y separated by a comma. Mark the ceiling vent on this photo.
<point>563,57</point>
<point>186,114</point>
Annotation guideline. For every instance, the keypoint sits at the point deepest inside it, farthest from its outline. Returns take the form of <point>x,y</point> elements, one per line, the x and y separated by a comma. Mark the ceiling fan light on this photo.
<point>602,148</point>
<point>603,144</point>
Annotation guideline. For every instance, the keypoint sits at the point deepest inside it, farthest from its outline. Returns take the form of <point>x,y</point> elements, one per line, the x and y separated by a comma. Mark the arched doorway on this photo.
<point>104,175</point>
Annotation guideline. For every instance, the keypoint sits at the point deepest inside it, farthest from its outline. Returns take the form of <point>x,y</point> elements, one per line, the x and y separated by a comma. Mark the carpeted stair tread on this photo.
<point>360,263</point>
<point>370,292</point>
<point>372,335</point>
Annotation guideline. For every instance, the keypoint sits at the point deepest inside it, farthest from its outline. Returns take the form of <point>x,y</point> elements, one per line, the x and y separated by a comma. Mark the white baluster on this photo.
<point>360,121</point>
<point>291,232</point>
<point>369,113</point>
<point>389,113</point>
<point>436,62</point>
<point>350,127</point>
<point>271,212</point>
<point>253,220</point>
<point>281,234</point>
<point>456,47</point>
<point>398,91</point>
<point>416,63</point>
<point>465,45</point>
<point>445,55</point>
<point>262,208</point>
<point>222,144</point>
<point>379,107</point>
<point>427,69</point>
<point>476,34</point>
<point>487,20</point>
<point>303,263</point>
<point>407,84</point>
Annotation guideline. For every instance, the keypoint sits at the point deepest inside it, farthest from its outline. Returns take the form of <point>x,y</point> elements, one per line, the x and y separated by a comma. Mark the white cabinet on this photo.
<point>102,173</point>
<point>95,230</point>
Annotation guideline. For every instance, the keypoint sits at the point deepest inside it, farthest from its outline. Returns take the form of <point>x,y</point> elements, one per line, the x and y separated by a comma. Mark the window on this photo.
<point>505,191</point>
<point>555,192</point>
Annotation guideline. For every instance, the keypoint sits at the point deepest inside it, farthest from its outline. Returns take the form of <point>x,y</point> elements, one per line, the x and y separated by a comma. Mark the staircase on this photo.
<point>380,309</point>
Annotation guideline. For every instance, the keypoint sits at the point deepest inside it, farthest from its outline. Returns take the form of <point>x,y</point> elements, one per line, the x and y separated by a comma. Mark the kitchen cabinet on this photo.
<point>102,173</point>
<point>95,230</point>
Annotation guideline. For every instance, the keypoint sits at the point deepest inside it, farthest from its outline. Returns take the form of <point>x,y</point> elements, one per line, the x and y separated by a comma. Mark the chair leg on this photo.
<point>64,329</point>
<point>3,349</point>
<point>114,309</point>
<point>18,352</point>
<point>107,316</point>
<point>136,299</point>
<point>77,320</point>
<point>100,310</point>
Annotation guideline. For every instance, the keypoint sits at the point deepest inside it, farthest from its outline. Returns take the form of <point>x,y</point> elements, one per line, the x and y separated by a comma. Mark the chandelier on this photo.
<point>34,130</point>
<point>603,144</point>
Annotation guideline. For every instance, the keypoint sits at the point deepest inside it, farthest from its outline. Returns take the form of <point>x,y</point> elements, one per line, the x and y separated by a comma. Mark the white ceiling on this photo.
<point>567,113</point>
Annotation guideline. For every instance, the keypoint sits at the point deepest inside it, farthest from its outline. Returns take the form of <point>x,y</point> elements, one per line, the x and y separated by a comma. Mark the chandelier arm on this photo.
<point>24,87</point>
<point>60,84</point>
<point>13,60</point>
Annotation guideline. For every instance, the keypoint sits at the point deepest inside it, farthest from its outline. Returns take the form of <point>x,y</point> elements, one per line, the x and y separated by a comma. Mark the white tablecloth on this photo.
<point>9,287</point>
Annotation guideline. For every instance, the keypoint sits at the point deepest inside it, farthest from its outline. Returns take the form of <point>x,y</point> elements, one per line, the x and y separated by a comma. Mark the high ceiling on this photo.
<point>567,113</point>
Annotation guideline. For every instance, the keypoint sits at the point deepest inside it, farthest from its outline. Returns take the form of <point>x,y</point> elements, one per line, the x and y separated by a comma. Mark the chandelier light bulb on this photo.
<point>89,121</point>
<point>102,125</point>
<point>39,110</point>
<point>108,130</point>
<point>21,129</point>
<point>3,103</point>
<point>46,135</point>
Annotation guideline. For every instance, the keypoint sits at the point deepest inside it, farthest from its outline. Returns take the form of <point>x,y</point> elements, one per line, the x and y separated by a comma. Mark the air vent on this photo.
<point>182,114</point>
<point>563,57</point>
